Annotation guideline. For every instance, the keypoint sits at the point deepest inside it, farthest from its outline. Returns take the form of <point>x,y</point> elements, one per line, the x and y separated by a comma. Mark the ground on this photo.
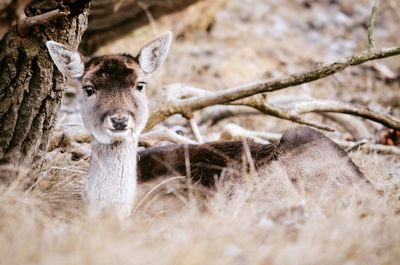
<point>260,221</point>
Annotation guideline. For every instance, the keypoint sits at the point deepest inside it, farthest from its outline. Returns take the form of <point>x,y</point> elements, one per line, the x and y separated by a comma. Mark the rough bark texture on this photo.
<point>10,12</point>
<point>110,19</point>
<point>30,85</point>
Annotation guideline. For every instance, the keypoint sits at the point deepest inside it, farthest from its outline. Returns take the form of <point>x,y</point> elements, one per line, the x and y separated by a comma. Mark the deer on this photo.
<point>114,110</point>
<point>311,161</point>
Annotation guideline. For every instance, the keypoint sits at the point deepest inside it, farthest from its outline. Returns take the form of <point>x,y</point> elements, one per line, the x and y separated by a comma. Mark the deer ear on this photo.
<point>153,54</point>
<point>68,61</point>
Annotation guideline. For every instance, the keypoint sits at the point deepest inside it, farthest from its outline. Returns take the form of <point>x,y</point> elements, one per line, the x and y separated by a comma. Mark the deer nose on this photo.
<point>119,122</point>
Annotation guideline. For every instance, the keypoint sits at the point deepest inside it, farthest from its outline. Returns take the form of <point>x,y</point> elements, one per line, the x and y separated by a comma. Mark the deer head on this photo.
<point>114,105</point>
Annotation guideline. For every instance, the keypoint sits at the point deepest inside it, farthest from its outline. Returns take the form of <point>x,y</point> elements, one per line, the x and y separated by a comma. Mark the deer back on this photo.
<point>315,164</point>
<point>205,161</point>
<point>310,160</point>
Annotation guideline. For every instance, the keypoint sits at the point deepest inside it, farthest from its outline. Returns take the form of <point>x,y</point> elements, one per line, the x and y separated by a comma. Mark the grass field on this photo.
<point>263,221</point>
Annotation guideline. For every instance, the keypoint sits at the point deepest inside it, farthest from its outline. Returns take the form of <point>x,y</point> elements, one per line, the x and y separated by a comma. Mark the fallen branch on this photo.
<point>218,113</point>
<point>357,128</point>
<point>232,131</point>
<point>195,130</point>
<point>341,107</point>
<point>168,105</point>
<point>156,136</point>
<point>259,102</point>
<point>213,115</point>
<point>176,95</point>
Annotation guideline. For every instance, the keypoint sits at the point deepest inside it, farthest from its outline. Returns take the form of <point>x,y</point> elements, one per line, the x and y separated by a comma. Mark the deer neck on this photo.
<point>111,180</point>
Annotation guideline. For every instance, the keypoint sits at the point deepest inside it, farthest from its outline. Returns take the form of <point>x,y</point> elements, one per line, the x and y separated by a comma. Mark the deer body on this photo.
<point>310,160</point>
<point>114,111</point>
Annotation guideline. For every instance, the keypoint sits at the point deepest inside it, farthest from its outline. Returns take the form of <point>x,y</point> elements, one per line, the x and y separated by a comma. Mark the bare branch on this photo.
<point>356,145</point>
<point>177,93</point>
<point>369,147</point>
<point>259,102</point>
<point>10,13</point>
<point>218,113</point>
<point>232,131</point>
<point>357,128</point>
<point>153,137</point>
<point>168,105</point>
<point>342,107</point>
<point>195,130</point>
<point>26,23</point>
<point>371,25</point>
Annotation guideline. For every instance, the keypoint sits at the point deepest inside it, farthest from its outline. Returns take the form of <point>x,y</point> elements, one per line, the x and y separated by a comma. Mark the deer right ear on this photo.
<point>68,61</point>
<point>153,54</point>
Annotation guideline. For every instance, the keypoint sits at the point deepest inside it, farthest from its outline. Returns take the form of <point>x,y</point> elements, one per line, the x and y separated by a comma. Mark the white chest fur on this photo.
<point>111,180</point>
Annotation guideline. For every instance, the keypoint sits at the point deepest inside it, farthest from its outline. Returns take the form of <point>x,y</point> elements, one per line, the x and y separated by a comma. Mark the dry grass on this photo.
<point>261,221</point>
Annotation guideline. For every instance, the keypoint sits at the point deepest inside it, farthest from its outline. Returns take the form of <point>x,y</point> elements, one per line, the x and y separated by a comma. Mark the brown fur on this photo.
<point>206,160</point>
<point>106,71</point>
<point>310,160</point>
<point>314,162</point>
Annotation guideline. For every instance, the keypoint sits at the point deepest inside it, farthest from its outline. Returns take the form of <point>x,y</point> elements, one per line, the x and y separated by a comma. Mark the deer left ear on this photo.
<point>68,61</point>
<point>154,53</point>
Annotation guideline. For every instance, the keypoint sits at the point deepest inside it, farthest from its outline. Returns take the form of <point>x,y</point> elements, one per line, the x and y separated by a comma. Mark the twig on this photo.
<point>356,127</point>
<point>213,115</point>
<point>233,131</point>
<point>342,107</point>
<point>356,145</point>
<point>26,23</point>
<point>153,137</point>
<point>259,102</point>
<point>369,147</point>
<point>219,113</point>
<point>371,25</point>
<point>168,106</point>
<point>10,13</point>
<point>195,130</point>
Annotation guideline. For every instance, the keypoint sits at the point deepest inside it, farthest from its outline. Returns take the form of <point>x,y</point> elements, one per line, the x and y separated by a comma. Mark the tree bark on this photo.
<point>10,12</point>
<point>30,85</point>
<point>110,19</point>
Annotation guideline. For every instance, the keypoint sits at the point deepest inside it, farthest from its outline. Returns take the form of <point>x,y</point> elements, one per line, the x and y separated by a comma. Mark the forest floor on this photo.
<point>243,41</point>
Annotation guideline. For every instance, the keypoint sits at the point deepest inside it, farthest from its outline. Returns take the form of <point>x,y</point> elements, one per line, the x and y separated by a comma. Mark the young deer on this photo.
<point>114,111</point>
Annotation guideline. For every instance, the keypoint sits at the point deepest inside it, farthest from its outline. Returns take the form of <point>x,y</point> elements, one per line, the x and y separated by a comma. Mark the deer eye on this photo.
<point>140,86</point>
<point>89,90</point>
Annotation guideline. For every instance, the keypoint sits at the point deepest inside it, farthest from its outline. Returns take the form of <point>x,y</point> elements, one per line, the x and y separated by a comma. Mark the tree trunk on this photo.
<point>110,19</point>
<point>30,85</point>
